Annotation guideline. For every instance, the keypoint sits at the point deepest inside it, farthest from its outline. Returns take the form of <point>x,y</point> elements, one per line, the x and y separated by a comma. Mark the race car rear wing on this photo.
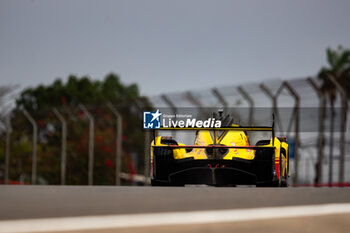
<point>238,128</point>
<point>235,128</point>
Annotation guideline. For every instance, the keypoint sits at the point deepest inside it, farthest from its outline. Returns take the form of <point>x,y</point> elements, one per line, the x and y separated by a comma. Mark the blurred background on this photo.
<point>75,77</point>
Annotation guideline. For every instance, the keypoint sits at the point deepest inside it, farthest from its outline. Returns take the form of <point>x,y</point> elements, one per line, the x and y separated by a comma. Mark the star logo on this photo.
<point>151,120</point>
<point>156,115</point>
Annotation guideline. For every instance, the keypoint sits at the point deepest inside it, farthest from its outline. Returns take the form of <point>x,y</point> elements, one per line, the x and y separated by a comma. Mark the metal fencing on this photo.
<point>91,145</point>
<point>105,145</point>
<point>318,135</point>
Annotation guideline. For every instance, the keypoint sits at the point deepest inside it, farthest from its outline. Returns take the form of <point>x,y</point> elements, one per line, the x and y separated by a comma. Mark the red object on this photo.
<point>277,166</point>
<point>41,123</point>
<point>108,163</point>
<point>99,139</point>
<point>81,114</point>
<point>63,100</point>
<point>107,149</point>
<point>132,171</point>
<point>131,167</point>
<point>345,184</point>
<point>13,182</point>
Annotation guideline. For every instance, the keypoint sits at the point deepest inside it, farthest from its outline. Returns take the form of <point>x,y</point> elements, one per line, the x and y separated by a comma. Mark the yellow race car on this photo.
<point>220,157</point>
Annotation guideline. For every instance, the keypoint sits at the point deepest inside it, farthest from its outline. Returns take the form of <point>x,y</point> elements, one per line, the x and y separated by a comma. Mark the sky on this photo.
<point>168,46</point>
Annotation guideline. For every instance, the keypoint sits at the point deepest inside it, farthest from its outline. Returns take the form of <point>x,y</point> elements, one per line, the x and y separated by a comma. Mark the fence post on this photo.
<point>322,106</point>
<point>296,112</point>
<point>221,98</point>
<point>297,116</point>
<point>196,102</point>
<point>246,96</point>
<point>7,149</point>
<point>35,139</point>
<point>118,153</point>
<point>63,145</point>
<point>173,107</point>
<point>140,105</point>
<point>91,144</point>
<point>343,127</point>
<point>269,93</point>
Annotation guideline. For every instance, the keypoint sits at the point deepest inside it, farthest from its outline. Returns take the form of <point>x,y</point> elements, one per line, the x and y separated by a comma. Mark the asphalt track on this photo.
<point>36,202</point>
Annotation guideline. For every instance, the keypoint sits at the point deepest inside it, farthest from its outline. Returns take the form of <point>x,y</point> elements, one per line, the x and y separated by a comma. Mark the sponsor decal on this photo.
<point>191,123</point>
<point>153,120</point>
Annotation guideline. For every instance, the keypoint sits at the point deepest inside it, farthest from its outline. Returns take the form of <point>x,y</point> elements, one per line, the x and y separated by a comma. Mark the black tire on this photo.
<point>163,159</point>
<point>284,184</point>
<point>275,183</point>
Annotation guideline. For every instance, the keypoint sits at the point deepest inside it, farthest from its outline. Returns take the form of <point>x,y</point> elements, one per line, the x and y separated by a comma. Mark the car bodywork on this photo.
<point>220,157</point>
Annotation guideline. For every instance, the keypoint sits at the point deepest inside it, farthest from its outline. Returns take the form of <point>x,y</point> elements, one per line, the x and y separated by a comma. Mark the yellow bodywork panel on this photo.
<point>206,137</point>
<point>284,156</point>
<point>226,138</point>
<point>179,153</point>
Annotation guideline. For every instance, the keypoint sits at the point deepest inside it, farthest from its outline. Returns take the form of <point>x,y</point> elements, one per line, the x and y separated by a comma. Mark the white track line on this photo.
<point>172,218</point>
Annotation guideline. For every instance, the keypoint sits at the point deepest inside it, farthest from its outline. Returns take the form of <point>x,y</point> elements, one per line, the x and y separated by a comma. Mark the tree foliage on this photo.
<point>338,67</point>
<point>66,97</point>
<point>77,91</point>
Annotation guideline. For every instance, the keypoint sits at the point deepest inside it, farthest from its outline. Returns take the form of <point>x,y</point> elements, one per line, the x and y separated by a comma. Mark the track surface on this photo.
<point>23,202</point>
<point>37,202</point>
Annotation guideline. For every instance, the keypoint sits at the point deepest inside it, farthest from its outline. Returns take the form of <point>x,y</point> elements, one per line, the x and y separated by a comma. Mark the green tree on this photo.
<point>77,91</point>
<point>338,67</point>
<point>66,96</point>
